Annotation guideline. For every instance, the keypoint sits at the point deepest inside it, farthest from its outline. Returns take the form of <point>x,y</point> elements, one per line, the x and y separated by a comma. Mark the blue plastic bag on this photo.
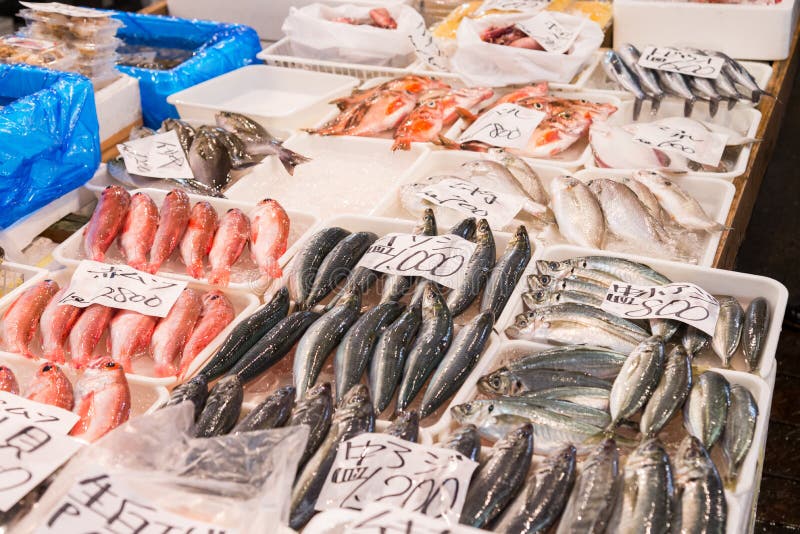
<point>49,137</point>
<point>219,48</point>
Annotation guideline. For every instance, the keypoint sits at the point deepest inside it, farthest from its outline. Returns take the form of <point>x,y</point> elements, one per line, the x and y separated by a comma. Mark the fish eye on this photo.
<point>491,407</point>
<point>47,368</point>
<point>110,365</point>
<point>431,104</point>
<point>545,279</point>
<point>538,105</point>
<point>553,264</point>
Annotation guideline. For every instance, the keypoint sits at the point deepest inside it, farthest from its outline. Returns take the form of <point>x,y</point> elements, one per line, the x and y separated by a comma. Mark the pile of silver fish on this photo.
<point>733,84</point>
<point>235,142</point>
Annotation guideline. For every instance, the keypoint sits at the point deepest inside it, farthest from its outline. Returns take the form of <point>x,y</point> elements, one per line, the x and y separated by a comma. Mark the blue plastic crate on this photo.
<point>218,48</point>
<point>49,137</point>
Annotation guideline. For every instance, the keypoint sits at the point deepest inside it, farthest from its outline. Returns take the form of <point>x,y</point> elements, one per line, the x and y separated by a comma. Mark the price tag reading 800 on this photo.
<point>507,125</point>
<point>684,302</point>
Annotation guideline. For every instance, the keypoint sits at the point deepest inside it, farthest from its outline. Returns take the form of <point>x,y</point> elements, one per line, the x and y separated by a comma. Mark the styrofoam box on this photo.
<point>744,287</point>
<point>740,498</point>
<point>243,305</point>
<point>16,278</point>
<point>245,271</point>
<point>579,153</point>
<point>280,99</point>
<point>769,28</point>
<point>118,106</point>
<point>595,79</point>
<point>742,119</point>
<point>146,397</point>
<point>266,18</point>
<point>345,175</point>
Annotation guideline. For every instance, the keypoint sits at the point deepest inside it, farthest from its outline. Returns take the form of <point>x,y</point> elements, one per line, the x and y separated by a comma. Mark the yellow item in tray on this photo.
<point>448,27</point>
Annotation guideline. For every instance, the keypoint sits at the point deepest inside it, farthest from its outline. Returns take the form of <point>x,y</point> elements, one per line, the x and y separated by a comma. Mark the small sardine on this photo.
<point>618,268</point>
<point>405,426</point>
<point>637,380</point>
<point>389,358</point>
<point>700,495</point>
<point>464,440</point>
<point>503,381</point>
<point>740,426</point>
<point>754,331</point>
<point>337,263</point>
<point>706,408</point>
<point>194,390</point>
<point>618,72</point>
<point>222,408</point>
<point>476,272</point>
<point>506,273</point>
<point>703,89</point>
<point>303,267</point>
<point>594,361</point>
<point>647,78</point>
<point>397,285</point>
<point>314,411</point>
<point>273,412</point>
<point>647,493</point>
<point>670,394</point>
<point>675,84</point>
<point>729,328</point>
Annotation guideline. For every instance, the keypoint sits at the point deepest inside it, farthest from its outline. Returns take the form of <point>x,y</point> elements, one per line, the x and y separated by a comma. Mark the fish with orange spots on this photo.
<point>377,114</point>
<point>412,84</point>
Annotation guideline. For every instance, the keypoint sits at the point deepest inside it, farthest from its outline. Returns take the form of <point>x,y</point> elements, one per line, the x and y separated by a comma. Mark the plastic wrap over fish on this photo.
<point>237,482</point>
<point>218,48</point>
<point>49,138</point>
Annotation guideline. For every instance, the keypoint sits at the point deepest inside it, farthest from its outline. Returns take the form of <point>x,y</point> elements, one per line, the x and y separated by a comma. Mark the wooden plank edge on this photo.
<point>156,8</point>
<point>109,146</point>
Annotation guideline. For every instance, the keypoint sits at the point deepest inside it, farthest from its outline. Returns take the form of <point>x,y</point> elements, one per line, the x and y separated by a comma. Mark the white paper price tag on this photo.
<point>684,302</point>
<point>33,444</point>
<point>380,518</point>
<point>681,61</point>
<point>690,139</point>
<point>426,48</point>
<point>465,197</point>
<point>549,33</point>
<point>521,6</point>
<point>507,125</point>
<point>99,502</point>
<point>379,467</point>
<point>64,9</point>
<point>123,287</point>
<point>441,258</point>
<point>157,156</point>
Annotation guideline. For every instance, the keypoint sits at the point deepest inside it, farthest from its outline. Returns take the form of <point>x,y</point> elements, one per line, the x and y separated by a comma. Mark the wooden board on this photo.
<point>156,8</point>
<point>109,147</point>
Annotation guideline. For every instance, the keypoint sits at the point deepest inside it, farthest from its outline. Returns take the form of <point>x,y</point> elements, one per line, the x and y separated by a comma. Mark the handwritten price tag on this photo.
<point>34,443</point>
<point>378,467</point>
<point>465,197</point>
<point>379,518</point>
<point>522,6</point>
<point>426,48</point>
<point>64,9</point>
<point>441,258</point>
<point>683,302</point>
<point>120,286</point>
<point>507,125</point>
<point>681,61</point>
<point>157,156</point>
<point>549,33</point>
<point>99,502</point>
<point>689,139</point>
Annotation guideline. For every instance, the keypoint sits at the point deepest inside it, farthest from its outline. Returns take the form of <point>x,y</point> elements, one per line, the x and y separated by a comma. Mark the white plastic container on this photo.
<point>743,31</point>
<point>744,287</point>
<point>16,278</point>
<point>118,106</point>
<point>244,273</point>
<point>280,99</point>
<point>243,305</point>
<point>345,175</point>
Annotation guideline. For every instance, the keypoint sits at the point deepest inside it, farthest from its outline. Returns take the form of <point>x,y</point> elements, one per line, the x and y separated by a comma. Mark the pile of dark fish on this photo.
<point>235,142</point>
<point>622,66</point>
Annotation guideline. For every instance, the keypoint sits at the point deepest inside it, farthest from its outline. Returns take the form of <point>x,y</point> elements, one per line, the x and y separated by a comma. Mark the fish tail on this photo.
<point>713,106</point>
<point>637,108</point>
<point>688,105</point>
<point>401,143</point>
<point>291,159</point>
<point>448,143</point>
<point>656,104</point>
<point>731,103</point>
<point>466,114</point>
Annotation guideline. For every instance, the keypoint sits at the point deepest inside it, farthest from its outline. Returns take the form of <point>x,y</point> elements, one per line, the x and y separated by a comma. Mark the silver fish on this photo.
<point>210,162</point>
<point>586,396</point>
<point>703,89</point>
<point>314,411</point>
<point>464,229</point>
<point>740,426</point>
<point>540,503</point>
<point>535,299</point>
<point>647,198</point>
<point>618,71</point>
<point>116,169</point>
<point>570,284</point>
<point>476,272</point>
<point>675,84</point>
<point>397,285</point>
<point>594,361</point>
<point>504,381</point>
<point>578,213</point>
<point>342,258</point>
<point>728,331</point>
<point>523,172</point>
<point>700,495</point>
<point>670,394</point>
<point>741,75</point>
<point>619,268</point>
<point>664,328</point>
<point>303,267</point>
<point>506,273</point>
<point>694,341</point>
<point>405,426</point>
<point>706,408</point>
<point>183,129</point>
<point>637,380</point>
<point>498,480</point>
<point>389,358</point>
<point>589,276</point>
<point>726,87</point>
<point>754,331</point>
<point>465,440</point>
<point>647,491</point>
<point>598,417</point>
<point>647,78</point>
<point>589,315</point>
<point>592,500</point>
<point>683,207</point>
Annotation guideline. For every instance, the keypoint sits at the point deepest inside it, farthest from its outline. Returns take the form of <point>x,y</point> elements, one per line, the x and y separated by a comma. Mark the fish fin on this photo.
<point>655,105</point>
<point>688,105</point>
<point>466,114</point>
<point>220,277</point>
<point>713,106</point>
<point>401,144</point>
<point>637,108</point>
<point>731,103</point>
<point>291,159</point>
<point>448,143</point>
<point>82,411</point>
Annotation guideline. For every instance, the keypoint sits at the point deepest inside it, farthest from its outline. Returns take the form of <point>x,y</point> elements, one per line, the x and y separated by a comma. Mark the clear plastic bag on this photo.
<point>482,63</point>
<point>313,34</point>
<point>241,482</point>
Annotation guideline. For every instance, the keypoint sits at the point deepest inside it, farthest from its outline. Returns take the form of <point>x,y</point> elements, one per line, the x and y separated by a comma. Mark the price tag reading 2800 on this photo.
<point>440,258</point>
<point>682,302</point>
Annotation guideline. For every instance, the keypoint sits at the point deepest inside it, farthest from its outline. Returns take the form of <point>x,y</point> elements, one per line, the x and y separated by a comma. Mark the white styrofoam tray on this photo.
<point>742,119</point>
<point>744,287</point>
<point>118,106</point>
<point>243,305</point>
<point>244,274</point>
<point>345,175</point>
<point>280,99</point>
<point>715,26</point>
<point>16,278</point>
<point>740,498</point>
<point>579,153</point>
<point>596,80</point>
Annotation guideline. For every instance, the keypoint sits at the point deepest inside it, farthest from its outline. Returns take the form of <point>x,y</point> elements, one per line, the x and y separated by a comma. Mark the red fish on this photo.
<point>106,222</point>
<point>229,242</point>
<point>196,242</point>
<point>411,83</point>
<point>56,324</point>
<point>269,235</point>
<point>103,400</point>
<point>171,224</point>
<point>139,231</point>
<point>173,332</point>
<point>130,336</point>
<point>432,116</point>
<point>539,89</point>
<point>377,114</point>
<point>51,386</point>
<point>8,382</point>
<point>21,319</point>
<point>382,18</point>
<point>217,314</point>
<point>553,106</point>
<point>86,333</point>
